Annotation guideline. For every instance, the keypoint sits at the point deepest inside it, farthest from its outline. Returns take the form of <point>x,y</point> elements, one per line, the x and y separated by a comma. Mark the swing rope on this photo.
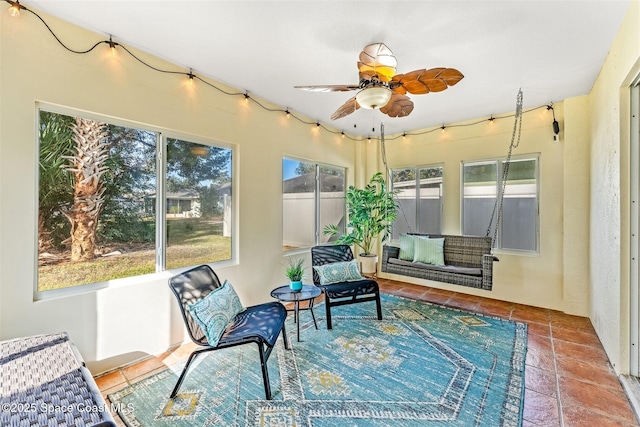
<point>517,130</point>
<point>388,174</point>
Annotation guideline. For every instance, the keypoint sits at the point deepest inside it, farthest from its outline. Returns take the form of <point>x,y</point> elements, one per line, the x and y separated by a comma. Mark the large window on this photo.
<point>482,182</point>
<point>419,199</point>
<point>106,210</point>
<point>312,198</point>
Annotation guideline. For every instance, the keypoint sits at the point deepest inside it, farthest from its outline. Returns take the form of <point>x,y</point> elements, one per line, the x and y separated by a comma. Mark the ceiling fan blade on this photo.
<point>424,81</point>
<point>347,108</point>
<point>377,59</point>
<point>398,106</point>
<point>329,88</point>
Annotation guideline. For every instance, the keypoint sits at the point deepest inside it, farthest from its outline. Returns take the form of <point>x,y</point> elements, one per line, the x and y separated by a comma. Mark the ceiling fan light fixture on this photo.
<point>373,97</point>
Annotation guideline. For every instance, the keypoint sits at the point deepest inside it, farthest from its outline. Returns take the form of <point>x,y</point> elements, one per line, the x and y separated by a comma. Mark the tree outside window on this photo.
<point>97,204</point>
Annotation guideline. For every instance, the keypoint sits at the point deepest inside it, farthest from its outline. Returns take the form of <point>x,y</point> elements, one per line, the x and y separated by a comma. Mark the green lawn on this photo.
<point>189,242</point>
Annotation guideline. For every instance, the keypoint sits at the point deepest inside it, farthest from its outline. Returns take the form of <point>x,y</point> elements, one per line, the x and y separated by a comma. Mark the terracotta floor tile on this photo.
<point>497,302</point>
<point>594,373</point>
<point>495,310</point>
<point>577,416</point>
<point>539,343</point>
<point>589,354</point>
<point>389,287</point>
<point>530,314</point>
<point>462,303</point>
<point>577,337</point>
<point>540,359</point>
<point>110,380</point>
<point>540,380</point>
<point>415,293</point>
<point>595,398</point>
<point>543,330</point>
<point>437,298</point>
<point>567,321</point>
<point>539,407</point>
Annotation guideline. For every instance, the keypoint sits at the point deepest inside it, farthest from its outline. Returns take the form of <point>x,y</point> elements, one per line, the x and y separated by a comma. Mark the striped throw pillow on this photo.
<point>429,251</point>
<point>406,247</point>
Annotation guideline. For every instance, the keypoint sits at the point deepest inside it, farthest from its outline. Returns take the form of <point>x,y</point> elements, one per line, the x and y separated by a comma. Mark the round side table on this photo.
<point>307,293</point>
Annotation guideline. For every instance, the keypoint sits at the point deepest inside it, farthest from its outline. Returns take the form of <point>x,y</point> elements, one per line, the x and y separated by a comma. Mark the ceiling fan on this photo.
<point>380,86</point>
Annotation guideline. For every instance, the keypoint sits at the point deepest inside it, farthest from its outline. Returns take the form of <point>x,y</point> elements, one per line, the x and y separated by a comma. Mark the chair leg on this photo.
<point>265,373</point>
<point>327,305</point>
<point>184,372</point>
<point>284,337</point>
<point>378,306</point>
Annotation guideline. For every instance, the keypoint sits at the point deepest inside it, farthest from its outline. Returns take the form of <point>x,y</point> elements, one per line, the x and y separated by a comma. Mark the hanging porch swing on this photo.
<point>460,260</point>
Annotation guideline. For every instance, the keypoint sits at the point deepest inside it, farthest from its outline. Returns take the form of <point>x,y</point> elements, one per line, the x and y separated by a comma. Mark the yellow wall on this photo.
<point>610,205</point>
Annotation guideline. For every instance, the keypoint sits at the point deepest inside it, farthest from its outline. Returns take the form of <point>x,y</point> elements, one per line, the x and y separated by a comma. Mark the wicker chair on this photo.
<point>260,324</point>
<point>343,293</point>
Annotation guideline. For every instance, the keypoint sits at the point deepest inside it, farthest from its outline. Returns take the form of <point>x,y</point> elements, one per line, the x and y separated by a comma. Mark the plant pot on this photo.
<point>296,286</point>
<point>368,263</point>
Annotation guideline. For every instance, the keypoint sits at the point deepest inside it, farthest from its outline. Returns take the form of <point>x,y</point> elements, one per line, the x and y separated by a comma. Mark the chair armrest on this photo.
<point>487,268</point>
<point>388,252</point>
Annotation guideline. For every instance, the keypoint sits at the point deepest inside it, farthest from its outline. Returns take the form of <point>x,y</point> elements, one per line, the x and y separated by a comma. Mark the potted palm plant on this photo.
<point>294,270</point>
<point>371,211</point>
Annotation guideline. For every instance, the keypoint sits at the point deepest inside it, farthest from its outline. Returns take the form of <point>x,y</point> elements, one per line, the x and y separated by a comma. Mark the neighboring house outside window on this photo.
<point>99,216</point>
<point>312,198</point>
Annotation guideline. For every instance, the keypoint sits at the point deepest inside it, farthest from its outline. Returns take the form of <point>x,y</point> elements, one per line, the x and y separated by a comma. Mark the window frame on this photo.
<point>417,199</point>
<point>317,200</point>
<point>499,162</point>
<point>162,135</point>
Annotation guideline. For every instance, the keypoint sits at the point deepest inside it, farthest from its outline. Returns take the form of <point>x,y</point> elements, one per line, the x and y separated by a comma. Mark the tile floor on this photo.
<point>569,381</point>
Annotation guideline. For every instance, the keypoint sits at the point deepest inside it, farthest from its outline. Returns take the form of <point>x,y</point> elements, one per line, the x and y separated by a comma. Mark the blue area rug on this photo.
<point>423,365</point>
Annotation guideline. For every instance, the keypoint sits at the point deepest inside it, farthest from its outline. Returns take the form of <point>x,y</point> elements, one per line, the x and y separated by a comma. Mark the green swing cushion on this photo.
<point>429,251</point>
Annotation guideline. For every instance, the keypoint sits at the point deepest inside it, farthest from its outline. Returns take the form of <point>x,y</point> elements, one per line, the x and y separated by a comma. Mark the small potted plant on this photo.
<point>294,270</point>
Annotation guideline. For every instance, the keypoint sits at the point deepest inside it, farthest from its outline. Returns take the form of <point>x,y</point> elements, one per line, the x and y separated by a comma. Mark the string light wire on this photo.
<point>192,76</point>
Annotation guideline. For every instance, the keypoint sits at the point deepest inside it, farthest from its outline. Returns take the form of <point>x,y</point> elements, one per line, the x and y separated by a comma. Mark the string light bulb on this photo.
<point>14,10</point>
<point>287,113</point>
<point>191,76</point>
<point>443,127</point>
<point>342,134</point>
<point>112,45</point>
<point>246,97</point>
<point>491,119</point>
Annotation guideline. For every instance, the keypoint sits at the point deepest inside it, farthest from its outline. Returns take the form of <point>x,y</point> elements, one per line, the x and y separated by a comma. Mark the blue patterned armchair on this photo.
<point>260,324</point>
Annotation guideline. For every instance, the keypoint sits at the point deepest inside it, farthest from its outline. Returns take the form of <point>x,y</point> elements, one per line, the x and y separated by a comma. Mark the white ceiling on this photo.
<point>551,49</point>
